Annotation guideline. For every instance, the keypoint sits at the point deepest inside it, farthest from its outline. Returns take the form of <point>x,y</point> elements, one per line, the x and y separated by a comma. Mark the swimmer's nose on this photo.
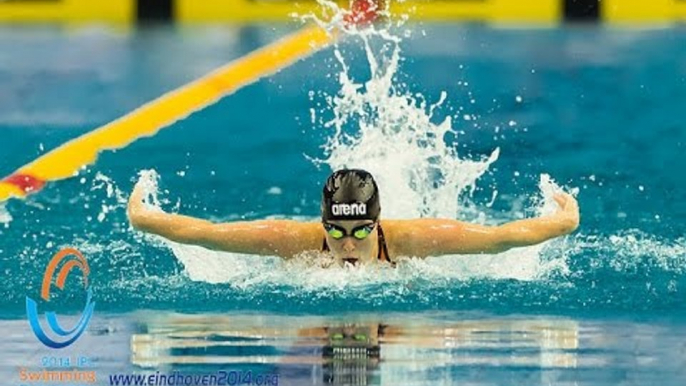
<point>348,245</point>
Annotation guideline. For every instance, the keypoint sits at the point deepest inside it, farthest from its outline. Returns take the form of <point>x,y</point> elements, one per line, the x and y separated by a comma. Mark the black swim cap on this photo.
<point>350,194</point>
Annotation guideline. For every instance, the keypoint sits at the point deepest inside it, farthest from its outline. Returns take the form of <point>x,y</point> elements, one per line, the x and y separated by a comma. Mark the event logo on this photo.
<point>72,259</point>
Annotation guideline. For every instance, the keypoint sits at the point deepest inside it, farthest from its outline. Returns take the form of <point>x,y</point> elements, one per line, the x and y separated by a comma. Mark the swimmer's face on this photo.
<point>350,249</point>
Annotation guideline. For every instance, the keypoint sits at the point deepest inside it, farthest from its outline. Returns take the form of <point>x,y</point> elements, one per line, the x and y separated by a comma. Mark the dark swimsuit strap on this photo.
<point>383,249</point>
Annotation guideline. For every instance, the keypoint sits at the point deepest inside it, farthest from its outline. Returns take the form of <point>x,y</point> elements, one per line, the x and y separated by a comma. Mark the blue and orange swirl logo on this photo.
<point>73,259</point>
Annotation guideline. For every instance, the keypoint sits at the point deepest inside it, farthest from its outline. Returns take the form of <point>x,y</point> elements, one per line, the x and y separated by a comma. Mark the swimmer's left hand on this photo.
<point>568,214</point>
<point>136,208</point>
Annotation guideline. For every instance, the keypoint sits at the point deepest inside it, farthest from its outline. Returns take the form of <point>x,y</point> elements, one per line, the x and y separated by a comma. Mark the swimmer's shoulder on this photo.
<point>310,234</point>
<point>402,236</point>
<point>297,236</point>
<point>396,233</point>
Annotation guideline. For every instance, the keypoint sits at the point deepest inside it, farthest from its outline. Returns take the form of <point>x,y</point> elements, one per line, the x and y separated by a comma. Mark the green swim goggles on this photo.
<point>340,335</point>
<point>360,233</point>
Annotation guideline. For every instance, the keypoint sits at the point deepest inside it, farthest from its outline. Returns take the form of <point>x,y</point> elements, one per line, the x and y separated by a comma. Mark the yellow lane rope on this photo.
<point>66,160</point>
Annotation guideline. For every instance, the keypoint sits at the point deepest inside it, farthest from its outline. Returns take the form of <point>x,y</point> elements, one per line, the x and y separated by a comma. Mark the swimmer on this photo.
<point>351,229</point>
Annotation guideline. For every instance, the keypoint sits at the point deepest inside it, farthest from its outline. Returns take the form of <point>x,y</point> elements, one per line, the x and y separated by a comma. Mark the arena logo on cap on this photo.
<point>357,209</point>
<point>64,337</point>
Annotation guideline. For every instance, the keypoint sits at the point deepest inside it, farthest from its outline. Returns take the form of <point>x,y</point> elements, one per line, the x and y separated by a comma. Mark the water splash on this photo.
<point>380,125</point>
<point>631,250</point>
<point>5,216</point>
<point>114,199</point>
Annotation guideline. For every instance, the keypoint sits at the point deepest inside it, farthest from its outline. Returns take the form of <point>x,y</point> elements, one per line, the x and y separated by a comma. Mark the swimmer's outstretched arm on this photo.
<point>283,238</point>
<point>434,237</point>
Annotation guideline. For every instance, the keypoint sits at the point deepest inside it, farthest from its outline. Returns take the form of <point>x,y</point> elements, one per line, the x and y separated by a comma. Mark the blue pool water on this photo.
<point>597,109</point>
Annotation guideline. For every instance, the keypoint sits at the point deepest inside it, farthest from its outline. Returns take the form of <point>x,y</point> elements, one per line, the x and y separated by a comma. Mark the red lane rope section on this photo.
<point>25,182</point>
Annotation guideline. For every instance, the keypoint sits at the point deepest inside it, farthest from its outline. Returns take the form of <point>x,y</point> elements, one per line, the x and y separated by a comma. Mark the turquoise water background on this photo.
<point>598,109</point>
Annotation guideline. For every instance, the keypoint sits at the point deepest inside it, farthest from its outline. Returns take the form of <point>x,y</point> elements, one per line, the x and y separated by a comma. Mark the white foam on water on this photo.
<point>5,216</point>
<point>632,248</point>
